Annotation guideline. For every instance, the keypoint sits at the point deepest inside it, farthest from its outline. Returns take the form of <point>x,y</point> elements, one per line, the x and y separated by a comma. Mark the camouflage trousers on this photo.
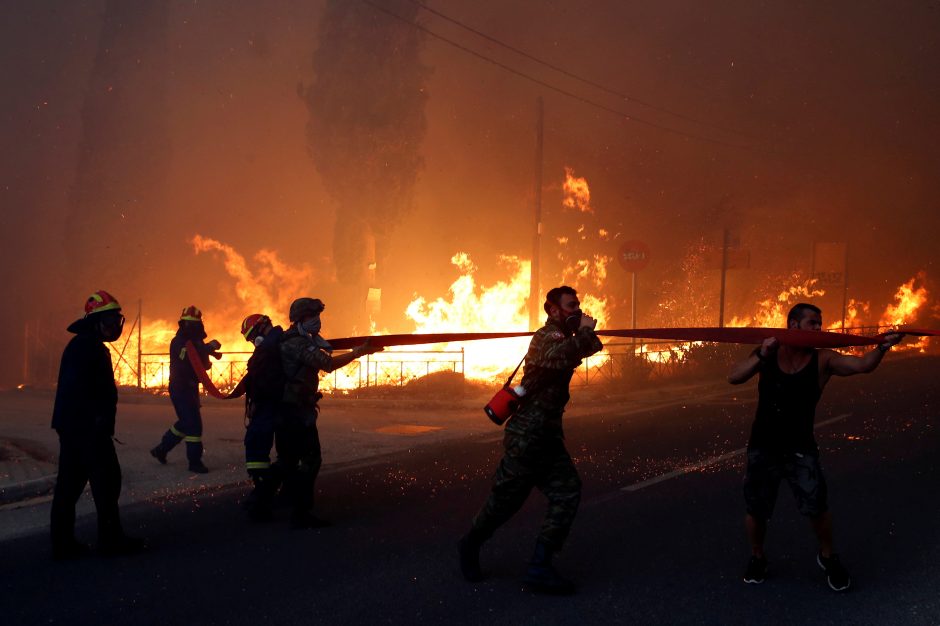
<point>533,462</point>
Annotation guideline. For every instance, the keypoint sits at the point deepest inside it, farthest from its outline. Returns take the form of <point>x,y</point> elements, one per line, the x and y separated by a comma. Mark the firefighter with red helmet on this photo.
<point>184,390</point>
<point>264,389</point>
<point>84,417</point>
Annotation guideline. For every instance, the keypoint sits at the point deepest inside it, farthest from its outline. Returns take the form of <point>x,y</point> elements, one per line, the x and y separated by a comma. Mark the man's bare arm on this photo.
<point>848,365</point>
<point>742,371</point>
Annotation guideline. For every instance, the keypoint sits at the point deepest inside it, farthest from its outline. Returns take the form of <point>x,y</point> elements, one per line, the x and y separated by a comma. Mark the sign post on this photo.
<point>633,257</point>
<point>831,268</point>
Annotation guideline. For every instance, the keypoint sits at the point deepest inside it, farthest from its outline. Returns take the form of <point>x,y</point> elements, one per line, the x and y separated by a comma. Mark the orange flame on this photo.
<point>772,312</point>
<point>908,302</point>
<point>577,193</point>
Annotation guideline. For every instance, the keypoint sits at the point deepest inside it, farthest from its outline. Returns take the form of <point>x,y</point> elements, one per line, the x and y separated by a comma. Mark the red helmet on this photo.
<point>99,302</point>
<point>191,314</point>
<point>252,324</point>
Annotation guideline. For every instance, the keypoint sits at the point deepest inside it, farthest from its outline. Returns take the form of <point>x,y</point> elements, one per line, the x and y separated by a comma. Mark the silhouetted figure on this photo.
<point>264,390</point>
<point>184,390</point>
<point>782,445</point>
<point>304,353</point>
<point>535,454</point>
<point>84,415</point>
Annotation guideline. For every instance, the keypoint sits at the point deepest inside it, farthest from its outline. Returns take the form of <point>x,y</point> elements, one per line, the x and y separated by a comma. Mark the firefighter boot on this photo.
<point>468,549</point>
<point>541,577</point>
<point>301,487</point>
<point>194,455</point>
<point>260,501</point>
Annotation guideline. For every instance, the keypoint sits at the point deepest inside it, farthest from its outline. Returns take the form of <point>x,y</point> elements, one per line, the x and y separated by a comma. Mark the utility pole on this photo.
<point>26,354</point>
<point>845,284</point>
<point>724,271</point>
<point>140,346</point>
<point>535,313</point>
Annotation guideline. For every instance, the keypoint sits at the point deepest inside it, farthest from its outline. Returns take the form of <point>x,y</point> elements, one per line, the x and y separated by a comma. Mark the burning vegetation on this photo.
<point>267,285</point>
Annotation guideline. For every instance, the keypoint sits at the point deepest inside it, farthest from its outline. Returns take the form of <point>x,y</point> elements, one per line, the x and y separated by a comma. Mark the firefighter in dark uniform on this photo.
<point>535,454</point>
<point>264,389</point>
<point>84,415</point>
<point>304,354</point>
<point>184,390</point>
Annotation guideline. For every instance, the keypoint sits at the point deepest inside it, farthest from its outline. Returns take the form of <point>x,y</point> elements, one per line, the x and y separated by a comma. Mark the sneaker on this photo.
<point>159,454</point>
<point>756,570</point>
<point>198,467</point>
<point>836,574</point>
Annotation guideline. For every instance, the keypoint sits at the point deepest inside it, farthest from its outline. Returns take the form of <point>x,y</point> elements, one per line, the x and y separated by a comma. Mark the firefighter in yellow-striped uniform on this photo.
<point>184,390</point>
<point>264,390</point>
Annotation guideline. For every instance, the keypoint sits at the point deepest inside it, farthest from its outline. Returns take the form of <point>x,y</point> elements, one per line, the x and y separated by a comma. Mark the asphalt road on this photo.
<point>658,539</point>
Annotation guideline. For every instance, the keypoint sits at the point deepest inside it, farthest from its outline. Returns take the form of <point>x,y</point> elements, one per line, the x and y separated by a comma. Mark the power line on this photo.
<point>569,74</point>
<point>574,96</point>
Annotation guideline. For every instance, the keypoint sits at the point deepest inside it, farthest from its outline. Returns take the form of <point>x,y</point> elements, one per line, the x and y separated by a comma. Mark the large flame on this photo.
<point>909,300</point>
<point>266,286</point>
<point>907,303</point>
<point>498,308</point>
<point>772,311</point>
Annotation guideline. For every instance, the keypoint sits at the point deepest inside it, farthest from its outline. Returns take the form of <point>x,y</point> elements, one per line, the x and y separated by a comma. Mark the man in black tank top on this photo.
<point>782,445</point>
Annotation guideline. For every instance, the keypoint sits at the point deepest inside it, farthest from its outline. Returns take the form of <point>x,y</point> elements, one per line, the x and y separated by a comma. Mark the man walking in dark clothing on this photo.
<point>264,390</point>
<point>84,416</point>
<point>782,445</point>
<point>184,390</point>
<point>304,354</point>
<point>535,454</point>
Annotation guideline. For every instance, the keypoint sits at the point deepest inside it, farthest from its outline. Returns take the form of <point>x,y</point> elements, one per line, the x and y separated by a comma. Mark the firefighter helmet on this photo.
<point>99,302</point>
<point>191,314</point>
<point>305,307</point>
<point>253,324</point>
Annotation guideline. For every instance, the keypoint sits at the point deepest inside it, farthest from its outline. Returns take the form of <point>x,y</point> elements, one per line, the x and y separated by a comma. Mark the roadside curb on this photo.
<point>27,489</point>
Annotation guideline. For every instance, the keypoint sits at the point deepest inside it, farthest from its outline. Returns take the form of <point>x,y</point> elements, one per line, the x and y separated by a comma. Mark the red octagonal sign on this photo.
<point>633,255</point>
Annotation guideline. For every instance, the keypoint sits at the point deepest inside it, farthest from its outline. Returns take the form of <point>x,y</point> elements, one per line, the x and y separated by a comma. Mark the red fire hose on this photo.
<point>791,337</point>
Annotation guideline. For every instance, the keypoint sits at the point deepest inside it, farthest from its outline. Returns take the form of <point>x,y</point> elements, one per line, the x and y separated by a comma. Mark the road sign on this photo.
<point>633,255</point>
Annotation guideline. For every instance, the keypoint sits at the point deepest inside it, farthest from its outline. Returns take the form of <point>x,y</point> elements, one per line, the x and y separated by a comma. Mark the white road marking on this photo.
<point>710,461</point>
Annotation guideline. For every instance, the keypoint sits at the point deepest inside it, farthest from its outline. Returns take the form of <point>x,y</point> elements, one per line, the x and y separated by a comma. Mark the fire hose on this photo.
<point>791,337</point>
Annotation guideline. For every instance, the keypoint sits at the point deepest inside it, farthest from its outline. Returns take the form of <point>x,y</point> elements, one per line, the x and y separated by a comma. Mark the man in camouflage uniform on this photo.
<point>535,453</point>
<point>304,353</point>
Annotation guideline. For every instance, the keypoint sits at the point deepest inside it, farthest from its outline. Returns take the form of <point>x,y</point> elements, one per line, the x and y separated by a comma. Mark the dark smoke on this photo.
<point>123,155</point>
<point>365,131</point>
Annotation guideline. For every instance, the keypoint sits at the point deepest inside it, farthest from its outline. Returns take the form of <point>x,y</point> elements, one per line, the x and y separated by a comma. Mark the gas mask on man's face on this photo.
<point>573,321</point>
<point>312,325</point>
<point>258,340</point>
<point>111,325</point>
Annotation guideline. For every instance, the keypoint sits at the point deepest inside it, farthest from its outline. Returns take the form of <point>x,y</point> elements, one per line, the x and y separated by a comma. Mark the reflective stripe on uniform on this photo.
<point>192,438</point>
<point>177,432</point>
<point>183,354</point>
<point>258,465</point>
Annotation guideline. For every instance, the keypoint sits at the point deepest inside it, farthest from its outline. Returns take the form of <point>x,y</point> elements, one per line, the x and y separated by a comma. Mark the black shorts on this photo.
<point>801,470</point>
